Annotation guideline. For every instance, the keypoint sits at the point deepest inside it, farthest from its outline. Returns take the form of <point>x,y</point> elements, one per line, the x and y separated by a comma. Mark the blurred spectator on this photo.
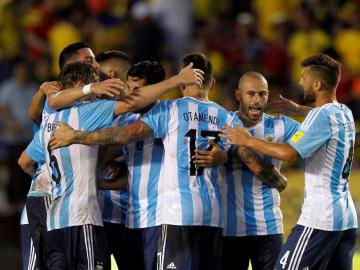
<point>10,37</point>
<point>146,36</point>
<point>347,41</point>
<point>275,59</point>
<point>268,11</point>
<point>15,97</point>
<point>37,22</point>
<point>64,32</point>
<point>176,19</point>
<point>307,39</point>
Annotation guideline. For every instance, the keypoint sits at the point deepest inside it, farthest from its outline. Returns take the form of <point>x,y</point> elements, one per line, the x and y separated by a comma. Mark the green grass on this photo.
<point>356,262</point>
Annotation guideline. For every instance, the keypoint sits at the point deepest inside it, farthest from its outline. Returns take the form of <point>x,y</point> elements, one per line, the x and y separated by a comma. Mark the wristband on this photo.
<point>86,89</point>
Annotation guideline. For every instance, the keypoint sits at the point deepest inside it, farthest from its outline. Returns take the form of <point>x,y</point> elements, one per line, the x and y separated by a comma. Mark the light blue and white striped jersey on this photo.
<point>44,115</point>
<point>326,141</point>
<point>73,168</point>
<point>252,207</point>
<point>41,181</point>
<point>188,194</point>
<point>144,159</point>
<point>114,203</point>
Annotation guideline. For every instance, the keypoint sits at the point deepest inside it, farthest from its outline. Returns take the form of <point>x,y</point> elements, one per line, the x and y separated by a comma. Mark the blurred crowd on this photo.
<point>271,37</point>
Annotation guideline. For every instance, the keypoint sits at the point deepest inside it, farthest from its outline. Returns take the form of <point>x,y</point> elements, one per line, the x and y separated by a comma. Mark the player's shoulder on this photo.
<point>126,119</point>
<point>280,117</point>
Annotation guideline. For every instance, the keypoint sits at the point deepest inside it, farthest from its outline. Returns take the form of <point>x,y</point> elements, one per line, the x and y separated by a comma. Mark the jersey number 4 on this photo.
<point>347,167</point>
<point>192,134</point>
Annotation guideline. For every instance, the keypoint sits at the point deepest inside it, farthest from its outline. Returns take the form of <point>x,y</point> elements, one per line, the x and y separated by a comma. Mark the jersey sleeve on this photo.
<point>291,127</point>
<point>158,118</point>
<point>312,134</point>
<point>233,122</point>
<point>97,114</point>
<point>35,150</point>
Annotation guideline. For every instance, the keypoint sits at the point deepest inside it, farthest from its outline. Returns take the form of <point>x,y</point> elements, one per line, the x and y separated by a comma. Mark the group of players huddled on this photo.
<point>183,184</point>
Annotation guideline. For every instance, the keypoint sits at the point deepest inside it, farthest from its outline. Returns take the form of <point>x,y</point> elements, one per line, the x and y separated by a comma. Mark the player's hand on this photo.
<point>189,76</point>
<point>281,105</point>
<point>238,135</point>
<point>209,158</point>
<point>110,88</point>
<point>64,135</point>
<point>50,88</point>
<point>111,169</point>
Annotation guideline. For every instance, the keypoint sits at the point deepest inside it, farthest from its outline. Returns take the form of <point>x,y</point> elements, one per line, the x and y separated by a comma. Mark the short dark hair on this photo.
<point>326,68</point>
<point>104,56</point>
<point>200,62</point>
<point>75,72</point>
<point>151,71</point>
<point>70,51</point>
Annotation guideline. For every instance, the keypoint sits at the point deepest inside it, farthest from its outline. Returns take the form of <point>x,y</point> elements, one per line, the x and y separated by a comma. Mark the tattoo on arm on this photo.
<point>116,135</point>
<point>266,172</point>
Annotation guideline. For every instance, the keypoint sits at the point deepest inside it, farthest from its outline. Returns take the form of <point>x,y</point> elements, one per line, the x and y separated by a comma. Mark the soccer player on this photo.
<point>253,216</point>
<point>325,234</point>
<point>113,203</point>
<point>39,196</point>
<point>189,203</point>
<point>143,159</point>
<point>75,209</point>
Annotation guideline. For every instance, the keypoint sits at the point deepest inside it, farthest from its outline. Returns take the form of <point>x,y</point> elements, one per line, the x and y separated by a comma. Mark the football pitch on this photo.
<point>356,262</point>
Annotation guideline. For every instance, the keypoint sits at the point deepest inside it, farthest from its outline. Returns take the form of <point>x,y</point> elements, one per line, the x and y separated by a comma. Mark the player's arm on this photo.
<point>357,139</point>
<point>286,106</point>
<point>37,102</point>
<point>241,137</point>
<point>209,158</point>
<point>26,163</point>
<point>266,172</point>
<point>64,135</point>
<point>146,95</point>
<point>66,97</point>
<point>120,183</point>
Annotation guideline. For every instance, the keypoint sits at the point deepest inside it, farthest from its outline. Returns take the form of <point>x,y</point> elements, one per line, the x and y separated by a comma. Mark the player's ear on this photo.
<point>238,94</point>
<point>112,74</point>
<point>213,83</point>
<point>317,85</point>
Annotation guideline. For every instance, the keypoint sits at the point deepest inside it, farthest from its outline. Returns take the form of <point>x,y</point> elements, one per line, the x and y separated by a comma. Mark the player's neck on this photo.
<point>325,98</point>
<point>200,96</point>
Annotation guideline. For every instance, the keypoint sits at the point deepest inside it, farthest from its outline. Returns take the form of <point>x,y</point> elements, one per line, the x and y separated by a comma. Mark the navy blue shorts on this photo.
<point>78,247</point>
<point>115,233</point>
<point>141,247</point>
<point>309,248</point>
<point>37,213</point>
<point>262,251</point>
<point>190,247</point>
<point>27,248</point>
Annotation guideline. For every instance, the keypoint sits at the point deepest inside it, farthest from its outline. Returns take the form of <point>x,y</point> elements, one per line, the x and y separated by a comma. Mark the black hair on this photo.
<point>75,72</point>
<point>70,51</point>
<point>151,71</point>
<point>326,68</point>
<point>119,55</point>
<point>200,62</point>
